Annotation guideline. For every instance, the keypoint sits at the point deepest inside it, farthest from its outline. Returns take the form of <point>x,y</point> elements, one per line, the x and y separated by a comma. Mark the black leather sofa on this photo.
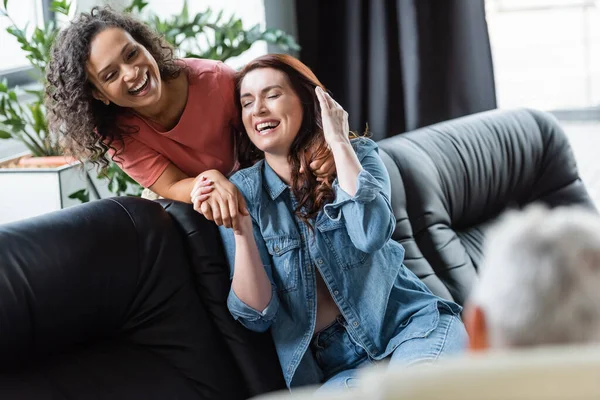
<point>125,298</point>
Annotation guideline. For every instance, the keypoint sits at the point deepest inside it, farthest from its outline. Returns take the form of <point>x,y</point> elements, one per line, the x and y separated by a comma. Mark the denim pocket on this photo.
<point>336,351</point>
<point>339,243</point>
<point>285,252</point>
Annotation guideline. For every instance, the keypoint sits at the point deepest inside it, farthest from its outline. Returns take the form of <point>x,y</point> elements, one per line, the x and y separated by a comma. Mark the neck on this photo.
<point>281,166</point>
<point>165,106</point>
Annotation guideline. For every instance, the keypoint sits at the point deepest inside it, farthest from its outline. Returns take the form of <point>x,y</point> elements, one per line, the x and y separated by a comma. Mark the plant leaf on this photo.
<point>81,195</point>
<point>62,7</point>
<point>5,135</point>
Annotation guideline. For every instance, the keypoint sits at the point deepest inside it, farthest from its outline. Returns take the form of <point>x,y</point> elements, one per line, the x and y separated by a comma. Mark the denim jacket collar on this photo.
<point>272,182</point>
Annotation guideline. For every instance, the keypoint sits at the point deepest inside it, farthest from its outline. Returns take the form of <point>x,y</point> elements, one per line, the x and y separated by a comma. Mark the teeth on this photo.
<point>142,83</point>
<point>266,125</point>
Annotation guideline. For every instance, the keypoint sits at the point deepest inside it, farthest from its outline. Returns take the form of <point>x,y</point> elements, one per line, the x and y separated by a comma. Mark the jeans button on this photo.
<point>355,324</point>
<point>335,292</point>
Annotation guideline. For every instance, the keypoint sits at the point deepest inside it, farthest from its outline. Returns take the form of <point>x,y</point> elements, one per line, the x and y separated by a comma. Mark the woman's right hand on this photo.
<point>334,118</point>
<point>223,205</point>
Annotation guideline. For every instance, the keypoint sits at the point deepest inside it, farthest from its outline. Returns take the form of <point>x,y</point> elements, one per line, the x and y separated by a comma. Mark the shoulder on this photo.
<point>249,181</point>
<point>363,146</point>
<point>201,69</point>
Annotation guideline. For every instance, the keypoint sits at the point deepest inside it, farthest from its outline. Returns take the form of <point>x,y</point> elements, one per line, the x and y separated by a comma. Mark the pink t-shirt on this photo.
<point>201,140</point>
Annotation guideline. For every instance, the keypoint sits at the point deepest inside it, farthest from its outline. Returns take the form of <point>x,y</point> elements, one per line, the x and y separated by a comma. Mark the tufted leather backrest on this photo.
<point>451,180</point>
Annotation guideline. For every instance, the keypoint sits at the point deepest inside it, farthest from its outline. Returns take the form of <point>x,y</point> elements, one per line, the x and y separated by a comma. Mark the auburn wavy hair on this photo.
<point>85,126</point>
<point>308,145</point>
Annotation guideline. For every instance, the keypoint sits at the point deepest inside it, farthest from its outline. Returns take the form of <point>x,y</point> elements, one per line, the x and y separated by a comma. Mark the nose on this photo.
<point>259,107</point>
<point>130,72</point>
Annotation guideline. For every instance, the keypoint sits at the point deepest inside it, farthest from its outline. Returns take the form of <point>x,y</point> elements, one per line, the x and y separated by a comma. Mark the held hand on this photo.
<point>201,190</point>
<point>335,119</point>
<point>223,205</point>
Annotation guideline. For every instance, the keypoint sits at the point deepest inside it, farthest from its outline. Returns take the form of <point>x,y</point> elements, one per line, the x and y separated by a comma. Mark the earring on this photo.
<point>106,102</point>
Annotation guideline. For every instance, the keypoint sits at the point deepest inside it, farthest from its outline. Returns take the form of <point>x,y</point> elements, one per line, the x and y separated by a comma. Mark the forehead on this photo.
<point>107,45</point>
<point>257,79</point>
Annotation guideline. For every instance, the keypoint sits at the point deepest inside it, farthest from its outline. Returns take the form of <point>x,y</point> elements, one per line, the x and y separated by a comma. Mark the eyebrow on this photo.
<point>108,66</point>
<point>263,91</point>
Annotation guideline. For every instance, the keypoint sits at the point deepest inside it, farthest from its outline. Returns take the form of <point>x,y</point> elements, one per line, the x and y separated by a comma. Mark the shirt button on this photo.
<point>320,261</point>
<point>276,248</point>
<point>355,324</point>
<point>335,292</point>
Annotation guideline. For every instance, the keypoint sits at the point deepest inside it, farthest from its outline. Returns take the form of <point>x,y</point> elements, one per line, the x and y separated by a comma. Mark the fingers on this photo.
<point>215,208</point>
<point>198,200</point>
<point>332,102</point>
<point>322,99</point>
<point>233,215</point>
<point>204,181</point>
<point>242,204</point>
<point>206,210</point>
<point>201,191</point>
<point>322,169</point>
<point>225,214</point>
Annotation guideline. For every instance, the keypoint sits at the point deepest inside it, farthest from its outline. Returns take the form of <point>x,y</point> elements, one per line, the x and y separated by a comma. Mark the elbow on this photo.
<point>259,326</point>
<point>371,245</point>
<point>377,234</point>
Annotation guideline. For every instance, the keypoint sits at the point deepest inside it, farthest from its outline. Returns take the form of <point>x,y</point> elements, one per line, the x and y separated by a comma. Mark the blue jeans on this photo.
<point>340,357</point>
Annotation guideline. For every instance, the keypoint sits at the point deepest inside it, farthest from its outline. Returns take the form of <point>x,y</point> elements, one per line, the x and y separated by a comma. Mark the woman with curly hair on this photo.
<point>314,261</point>
<point>114,86</point>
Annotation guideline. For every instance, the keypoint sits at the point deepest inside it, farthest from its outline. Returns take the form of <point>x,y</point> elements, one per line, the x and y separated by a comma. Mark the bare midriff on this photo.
<point>327,310</point>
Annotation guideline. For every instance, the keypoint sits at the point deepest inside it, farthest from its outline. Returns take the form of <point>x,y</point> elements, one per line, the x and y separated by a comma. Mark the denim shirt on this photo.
<point>382,301</point>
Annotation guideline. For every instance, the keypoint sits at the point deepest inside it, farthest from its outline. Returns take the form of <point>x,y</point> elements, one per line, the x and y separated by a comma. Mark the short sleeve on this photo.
<point>142,163</point>
<point>226,81</point>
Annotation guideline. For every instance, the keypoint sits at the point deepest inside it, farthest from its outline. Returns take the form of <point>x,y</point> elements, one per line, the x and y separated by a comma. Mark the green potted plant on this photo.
<point>25,120</point>
<point>42,179</point>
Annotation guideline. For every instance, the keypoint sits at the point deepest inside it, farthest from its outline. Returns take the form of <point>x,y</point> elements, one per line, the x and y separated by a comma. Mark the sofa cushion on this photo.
<point>451,180</point>
<point>253,352</point>
<point>92,289</point>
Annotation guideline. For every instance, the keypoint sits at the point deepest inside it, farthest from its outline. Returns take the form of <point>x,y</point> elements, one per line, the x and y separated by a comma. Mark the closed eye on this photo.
<point>274,96</point>
<point>246,104</point>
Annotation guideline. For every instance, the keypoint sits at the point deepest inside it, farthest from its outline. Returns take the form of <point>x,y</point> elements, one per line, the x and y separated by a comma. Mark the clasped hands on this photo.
<point>220,200</point>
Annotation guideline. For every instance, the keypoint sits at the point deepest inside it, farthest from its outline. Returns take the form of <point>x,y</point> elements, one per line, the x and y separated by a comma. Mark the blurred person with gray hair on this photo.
<point>540,281</point>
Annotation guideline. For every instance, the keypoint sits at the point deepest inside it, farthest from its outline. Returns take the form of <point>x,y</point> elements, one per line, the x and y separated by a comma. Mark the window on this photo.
<point>546,53</point>
<point>13,64</point>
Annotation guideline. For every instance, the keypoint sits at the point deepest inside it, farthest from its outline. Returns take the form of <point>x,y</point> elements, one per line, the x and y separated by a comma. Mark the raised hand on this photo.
<point>335,119</point>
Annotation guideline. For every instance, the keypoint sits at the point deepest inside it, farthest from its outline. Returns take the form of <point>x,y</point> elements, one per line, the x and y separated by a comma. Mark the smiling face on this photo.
<point>271,110</point>
<point>122,70</point>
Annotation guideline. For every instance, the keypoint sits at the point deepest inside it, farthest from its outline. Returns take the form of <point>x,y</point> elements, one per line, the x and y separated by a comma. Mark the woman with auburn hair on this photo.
<point>116,87</point>
<point>314,260</point>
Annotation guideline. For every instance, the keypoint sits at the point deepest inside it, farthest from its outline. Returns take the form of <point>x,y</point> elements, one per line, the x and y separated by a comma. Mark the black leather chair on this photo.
<point>125,298</point>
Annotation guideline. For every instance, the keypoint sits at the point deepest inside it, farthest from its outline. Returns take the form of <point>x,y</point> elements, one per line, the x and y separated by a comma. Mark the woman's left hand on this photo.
<point>322,167</point>
<point>335,119</point>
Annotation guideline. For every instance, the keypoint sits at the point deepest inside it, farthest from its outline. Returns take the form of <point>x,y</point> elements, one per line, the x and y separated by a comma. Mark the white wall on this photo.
<point>252,12</point>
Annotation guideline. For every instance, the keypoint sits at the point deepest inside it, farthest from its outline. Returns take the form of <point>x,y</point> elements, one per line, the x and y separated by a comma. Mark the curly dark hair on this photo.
<point>308,145</point>
<point>86,127</point>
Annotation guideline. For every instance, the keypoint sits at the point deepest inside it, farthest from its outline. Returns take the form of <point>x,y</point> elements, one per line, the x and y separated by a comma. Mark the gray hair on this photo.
<point>540,281</point>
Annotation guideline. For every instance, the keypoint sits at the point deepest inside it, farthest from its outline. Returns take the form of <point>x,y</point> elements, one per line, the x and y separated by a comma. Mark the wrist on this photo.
<point>338,146</point>
<point>245,230</point>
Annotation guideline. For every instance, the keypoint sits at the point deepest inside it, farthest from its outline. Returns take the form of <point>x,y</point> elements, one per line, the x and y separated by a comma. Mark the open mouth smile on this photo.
<point>141,87</point>
<point>266,127</point>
